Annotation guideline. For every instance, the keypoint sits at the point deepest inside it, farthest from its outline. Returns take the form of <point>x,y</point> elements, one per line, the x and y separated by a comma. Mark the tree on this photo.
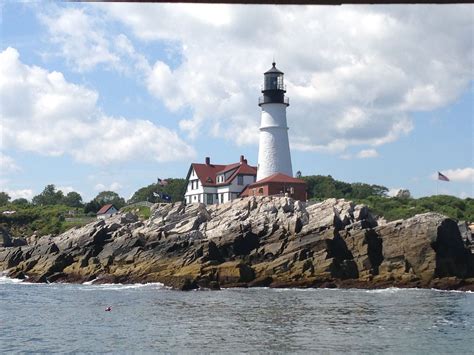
<point>146,193</point>
<point>106,197</point>
<point>49,196</point>
<point>174,188</point>
<point>326,187</point>
<point>4,198</point>
<point>73,199</point>
<point>403,193</point>
<point>92,206</point>
<point>361,190</point>
<point>20,201</point>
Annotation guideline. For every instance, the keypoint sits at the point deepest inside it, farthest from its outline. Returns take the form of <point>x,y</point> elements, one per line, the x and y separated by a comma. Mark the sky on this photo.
<point>112,96</point>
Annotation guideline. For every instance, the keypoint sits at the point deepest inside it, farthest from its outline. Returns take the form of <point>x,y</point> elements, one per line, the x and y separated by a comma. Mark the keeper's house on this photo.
<point>277,184</point>
<point>214,183</point>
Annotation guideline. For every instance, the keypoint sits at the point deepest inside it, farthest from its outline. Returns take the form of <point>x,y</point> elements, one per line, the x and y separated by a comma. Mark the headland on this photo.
<point>254,241</point>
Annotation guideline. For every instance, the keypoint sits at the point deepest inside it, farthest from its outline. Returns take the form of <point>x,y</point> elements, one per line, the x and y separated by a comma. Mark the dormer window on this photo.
<point>240,180</point>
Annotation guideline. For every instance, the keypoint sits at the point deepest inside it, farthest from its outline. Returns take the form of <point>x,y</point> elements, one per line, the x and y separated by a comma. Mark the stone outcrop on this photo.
<point>264,241</point>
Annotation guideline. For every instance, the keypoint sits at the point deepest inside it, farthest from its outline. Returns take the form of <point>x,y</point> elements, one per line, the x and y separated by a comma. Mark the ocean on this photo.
<point>152,318</point>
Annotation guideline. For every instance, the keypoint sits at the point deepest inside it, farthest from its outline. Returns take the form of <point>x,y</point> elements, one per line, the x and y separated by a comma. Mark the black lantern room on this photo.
<point>273,87</point>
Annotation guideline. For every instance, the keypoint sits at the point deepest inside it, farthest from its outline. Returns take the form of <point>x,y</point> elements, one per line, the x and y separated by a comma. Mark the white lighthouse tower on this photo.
<point>274,148</point>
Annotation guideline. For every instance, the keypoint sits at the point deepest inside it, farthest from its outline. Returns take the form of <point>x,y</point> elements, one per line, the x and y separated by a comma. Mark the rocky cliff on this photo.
<point>266,241</point>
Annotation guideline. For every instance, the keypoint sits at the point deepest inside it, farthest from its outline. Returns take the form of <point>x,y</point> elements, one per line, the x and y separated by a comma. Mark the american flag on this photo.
<point>442,177</point>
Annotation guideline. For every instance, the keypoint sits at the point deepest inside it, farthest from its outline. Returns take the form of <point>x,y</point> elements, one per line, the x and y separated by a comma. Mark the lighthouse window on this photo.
<point>280,82</point>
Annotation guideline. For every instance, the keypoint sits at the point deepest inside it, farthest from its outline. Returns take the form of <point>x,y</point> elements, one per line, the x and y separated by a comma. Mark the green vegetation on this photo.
<point>28,219</point>
<point>104,198</point>
<point>174,188</point>
<point>322,187</point>
<point>52,212</point>
<point>396,208</point>
<point>143,212</point>
<point>375,196</point>
<point>4,198</point>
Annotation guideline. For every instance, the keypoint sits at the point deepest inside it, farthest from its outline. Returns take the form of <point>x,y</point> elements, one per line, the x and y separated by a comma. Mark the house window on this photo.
<point>240,180</point>
<point>222,198</point>
<point>260,190</point>
<point>209,199</point>
<point>194,197</point>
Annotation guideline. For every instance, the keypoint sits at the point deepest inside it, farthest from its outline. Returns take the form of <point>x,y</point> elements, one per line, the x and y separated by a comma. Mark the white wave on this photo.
<point>8,280</point>
<point>455,291</point>
<point>91,282</point>
<point>389,290</point>
<point>118,287</point>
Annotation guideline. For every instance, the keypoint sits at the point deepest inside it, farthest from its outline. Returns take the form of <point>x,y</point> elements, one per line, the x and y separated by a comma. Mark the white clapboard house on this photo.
<point>215,183</point>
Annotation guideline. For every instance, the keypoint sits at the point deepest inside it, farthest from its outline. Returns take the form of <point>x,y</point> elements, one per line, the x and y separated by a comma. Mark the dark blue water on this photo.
<point>150,318</point>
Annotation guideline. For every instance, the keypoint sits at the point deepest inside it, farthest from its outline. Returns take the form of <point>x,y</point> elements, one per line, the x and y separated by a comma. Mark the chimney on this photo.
<point>242,160</point>
<point>208,161</point>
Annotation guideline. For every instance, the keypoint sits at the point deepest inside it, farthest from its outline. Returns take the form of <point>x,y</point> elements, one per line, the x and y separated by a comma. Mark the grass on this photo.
<point>142,212</point>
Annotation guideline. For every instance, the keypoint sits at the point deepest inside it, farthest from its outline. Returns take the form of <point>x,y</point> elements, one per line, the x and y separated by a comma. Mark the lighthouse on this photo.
<point>274,149</point>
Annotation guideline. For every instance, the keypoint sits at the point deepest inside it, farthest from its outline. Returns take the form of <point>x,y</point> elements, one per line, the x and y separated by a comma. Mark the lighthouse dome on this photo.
<point>273,70</point>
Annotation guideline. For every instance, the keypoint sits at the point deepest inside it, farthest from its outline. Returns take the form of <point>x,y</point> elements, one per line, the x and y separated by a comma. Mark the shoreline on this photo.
<point>253,242</point>
<point>462,285</point>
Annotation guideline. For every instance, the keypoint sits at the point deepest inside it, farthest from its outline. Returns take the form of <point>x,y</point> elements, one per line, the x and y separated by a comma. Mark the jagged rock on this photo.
<point>254,241</point>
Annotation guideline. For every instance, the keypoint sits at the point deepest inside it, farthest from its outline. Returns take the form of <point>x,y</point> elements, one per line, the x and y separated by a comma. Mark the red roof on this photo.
<point>207,173</point>
<point>243,169</point>
<point>278,177</point>
<point>228,167</point>
<point>105,208</point>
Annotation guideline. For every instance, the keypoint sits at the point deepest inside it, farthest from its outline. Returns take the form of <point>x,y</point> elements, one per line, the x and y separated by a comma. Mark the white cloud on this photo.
<point>7,164</point>
<point>56,117</point>
<point>363,154</point>
<point>114,186</point>
<point>367,153</point>
<point>354,73</point>
<point>85,43</point>
<point>99,187</point>
<point>83,46</point>
<point>67,189</point>
<point>457,175</point>
<point>21,193</point>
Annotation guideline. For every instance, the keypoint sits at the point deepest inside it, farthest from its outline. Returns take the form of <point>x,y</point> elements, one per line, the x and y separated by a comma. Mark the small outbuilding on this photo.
<point>277,184</point>
<point>106,211</point>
